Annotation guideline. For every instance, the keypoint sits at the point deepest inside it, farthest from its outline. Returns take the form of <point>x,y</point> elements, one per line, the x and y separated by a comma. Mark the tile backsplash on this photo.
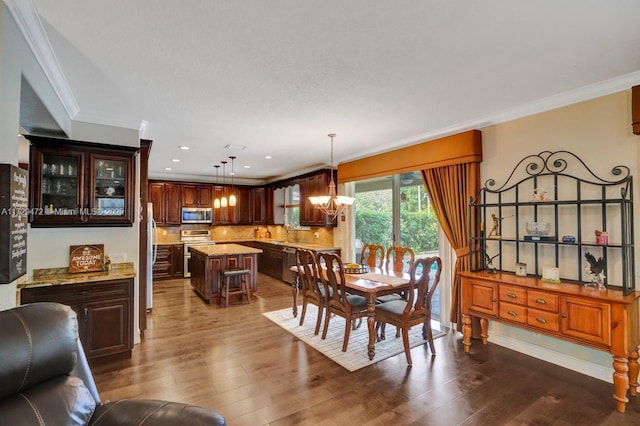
<point>311,235</point>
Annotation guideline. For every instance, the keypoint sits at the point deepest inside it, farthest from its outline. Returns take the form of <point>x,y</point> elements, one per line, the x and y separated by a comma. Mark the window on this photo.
<point>292,206</point>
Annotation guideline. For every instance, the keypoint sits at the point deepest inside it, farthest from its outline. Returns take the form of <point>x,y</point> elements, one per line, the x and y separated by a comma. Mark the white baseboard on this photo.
<point>558,358</point>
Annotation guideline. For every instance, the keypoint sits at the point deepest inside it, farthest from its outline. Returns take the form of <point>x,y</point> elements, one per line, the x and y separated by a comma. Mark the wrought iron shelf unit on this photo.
<point>558,190</point>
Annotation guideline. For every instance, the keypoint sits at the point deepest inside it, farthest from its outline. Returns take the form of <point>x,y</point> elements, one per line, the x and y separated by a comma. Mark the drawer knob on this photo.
<point>512,295</point>
<point>513,314</point>
<point>541,301</point>
<point>541,320</point>
<point>563,315</point>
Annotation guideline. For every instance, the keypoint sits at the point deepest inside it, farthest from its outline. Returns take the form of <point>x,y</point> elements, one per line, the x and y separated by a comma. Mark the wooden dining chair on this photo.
<point>396,259</point>
<point>312,290</point>
<point>417,308</point>
<point>372,255</point>
<point>339,302</point>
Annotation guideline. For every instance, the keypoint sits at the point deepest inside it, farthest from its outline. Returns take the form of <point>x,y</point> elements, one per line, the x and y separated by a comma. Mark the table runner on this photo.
<point>385,279</point>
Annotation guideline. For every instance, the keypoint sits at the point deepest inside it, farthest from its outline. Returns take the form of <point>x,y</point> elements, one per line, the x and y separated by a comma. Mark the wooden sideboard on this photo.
<point>605,320</point>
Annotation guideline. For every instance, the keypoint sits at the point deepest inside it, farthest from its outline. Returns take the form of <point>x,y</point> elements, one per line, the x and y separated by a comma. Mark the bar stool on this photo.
<point>229,284</point>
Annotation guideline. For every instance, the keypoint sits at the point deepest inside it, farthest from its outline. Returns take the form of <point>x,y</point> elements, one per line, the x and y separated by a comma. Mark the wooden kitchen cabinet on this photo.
<point>166,199</point>
<point>196,195</point>
<point>241,213</point>
<point>258,206</point>
<point>603,320</point>
<point>74,183</point>
<point>269,206</point>
<point>315,184</point>
<point>169,262</point>
<point>104,309</point>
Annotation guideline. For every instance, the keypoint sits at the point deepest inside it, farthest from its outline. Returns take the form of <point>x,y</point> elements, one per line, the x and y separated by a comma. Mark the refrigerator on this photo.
<point>152,253</point>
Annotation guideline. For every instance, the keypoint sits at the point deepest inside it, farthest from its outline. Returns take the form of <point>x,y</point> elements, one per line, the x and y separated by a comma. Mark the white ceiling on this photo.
<point>277,76</point>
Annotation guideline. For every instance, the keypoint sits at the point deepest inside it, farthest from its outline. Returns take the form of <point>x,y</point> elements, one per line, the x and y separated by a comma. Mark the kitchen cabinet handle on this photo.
<point>86,314</point>
<point>564,315</point>
<point>494,300</point>
<point>84,217</point>
<point>541,301</point>
<point>513,314</point>
<point>541,320</point>
<point>512,295</point>
<point>82,292</point>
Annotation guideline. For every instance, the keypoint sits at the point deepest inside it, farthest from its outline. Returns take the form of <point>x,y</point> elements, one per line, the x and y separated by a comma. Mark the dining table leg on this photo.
<point>371,324</point>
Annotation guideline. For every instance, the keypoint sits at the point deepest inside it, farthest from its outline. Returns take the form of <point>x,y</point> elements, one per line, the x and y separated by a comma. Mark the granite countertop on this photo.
<point>213,250</point>
<point>61,276</point>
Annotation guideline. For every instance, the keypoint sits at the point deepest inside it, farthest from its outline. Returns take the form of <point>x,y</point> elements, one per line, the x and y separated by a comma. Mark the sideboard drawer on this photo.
<point>513,294</point>
<point>542,300</point>
<point>542,319</point>
<point>513,312</point>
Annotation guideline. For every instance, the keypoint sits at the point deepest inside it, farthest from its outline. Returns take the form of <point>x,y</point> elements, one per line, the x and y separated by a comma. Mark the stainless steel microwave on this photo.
<point>197,215</point>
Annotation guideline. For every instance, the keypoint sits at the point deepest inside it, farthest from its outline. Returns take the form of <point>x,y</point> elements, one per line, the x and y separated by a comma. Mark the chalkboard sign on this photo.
<point>86,258</point>
<point>13,222</point>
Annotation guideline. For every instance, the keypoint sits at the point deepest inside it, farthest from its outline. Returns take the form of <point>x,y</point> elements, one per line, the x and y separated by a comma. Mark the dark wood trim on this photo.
<point>145,150</point>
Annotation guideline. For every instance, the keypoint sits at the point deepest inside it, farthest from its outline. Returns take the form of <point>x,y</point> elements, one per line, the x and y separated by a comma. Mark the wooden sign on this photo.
<point>86,258</point>
<point>13,222</point>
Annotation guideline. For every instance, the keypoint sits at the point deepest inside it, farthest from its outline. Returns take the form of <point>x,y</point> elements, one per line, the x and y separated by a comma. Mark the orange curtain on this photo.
<point>449,189</point>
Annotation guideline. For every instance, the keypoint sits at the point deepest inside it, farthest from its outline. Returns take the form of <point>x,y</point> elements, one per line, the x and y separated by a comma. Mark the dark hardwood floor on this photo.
<point>240,364</point>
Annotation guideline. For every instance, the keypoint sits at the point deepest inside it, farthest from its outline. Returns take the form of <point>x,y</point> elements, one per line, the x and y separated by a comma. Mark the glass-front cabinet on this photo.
<point>75,183</point>
<point>109,192</point>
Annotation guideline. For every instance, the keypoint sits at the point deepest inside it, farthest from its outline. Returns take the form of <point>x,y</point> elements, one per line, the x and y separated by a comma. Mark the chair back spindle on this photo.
<point>396,256</point>
<point>372,255</point>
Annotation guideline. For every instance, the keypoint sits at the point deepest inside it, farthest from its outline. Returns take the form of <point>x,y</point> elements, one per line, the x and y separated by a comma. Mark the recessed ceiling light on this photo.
<point>247,167</point>
<point>183,147</point>
<point>235,147</point>
<point>268,157</point>
<point>167,168</point>
<point>175,160</point>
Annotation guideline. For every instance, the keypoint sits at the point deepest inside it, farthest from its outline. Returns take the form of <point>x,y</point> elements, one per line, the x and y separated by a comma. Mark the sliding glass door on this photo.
<point>395,210</point>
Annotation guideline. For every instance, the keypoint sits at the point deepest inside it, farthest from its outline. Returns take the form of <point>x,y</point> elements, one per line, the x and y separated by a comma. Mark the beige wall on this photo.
<point>599,132</point>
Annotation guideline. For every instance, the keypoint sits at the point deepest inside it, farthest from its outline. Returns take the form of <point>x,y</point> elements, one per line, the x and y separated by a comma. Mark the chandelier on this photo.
<point>331,204</point>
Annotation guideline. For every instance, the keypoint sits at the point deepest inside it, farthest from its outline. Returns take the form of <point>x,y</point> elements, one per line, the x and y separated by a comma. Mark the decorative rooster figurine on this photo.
<point>596,268</point>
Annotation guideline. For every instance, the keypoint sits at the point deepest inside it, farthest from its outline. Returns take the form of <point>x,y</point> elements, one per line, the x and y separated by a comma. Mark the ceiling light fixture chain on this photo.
<point>216,202</point>
<point>331,204</point>
<point>232,197</point>
<point>223,200</point>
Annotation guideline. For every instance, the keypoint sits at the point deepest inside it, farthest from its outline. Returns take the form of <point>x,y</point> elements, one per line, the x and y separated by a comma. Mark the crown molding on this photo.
<point>25,14</point>
<point>570,97</point>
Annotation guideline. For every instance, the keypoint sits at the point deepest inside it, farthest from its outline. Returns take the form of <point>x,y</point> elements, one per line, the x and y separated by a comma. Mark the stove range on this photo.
<point>193,237</point>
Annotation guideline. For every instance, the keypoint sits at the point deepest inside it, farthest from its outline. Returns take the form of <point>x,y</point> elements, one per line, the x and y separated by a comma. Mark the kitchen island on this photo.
<point>208,260</point>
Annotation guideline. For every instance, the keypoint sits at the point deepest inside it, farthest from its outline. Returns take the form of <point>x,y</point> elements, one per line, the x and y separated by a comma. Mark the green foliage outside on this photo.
<point>418,223</point>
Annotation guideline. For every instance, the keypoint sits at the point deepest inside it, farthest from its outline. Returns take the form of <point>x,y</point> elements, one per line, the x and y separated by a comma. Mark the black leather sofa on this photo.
<point>45,378</point>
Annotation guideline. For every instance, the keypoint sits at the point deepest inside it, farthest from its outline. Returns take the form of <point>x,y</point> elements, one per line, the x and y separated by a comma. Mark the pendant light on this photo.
<point>223,200</point>
<point>331,204</point>
<point>232,197</point>
<point>216,202</point>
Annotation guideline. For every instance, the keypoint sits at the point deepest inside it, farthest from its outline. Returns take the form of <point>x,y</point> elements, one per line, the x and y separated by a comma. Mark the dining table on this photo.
<point>370,285</point>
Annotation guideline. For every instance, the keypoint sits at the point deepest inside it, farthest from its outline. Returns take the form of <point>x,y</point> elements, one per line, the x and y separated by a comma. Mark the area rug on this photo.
<point>356,355</point>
